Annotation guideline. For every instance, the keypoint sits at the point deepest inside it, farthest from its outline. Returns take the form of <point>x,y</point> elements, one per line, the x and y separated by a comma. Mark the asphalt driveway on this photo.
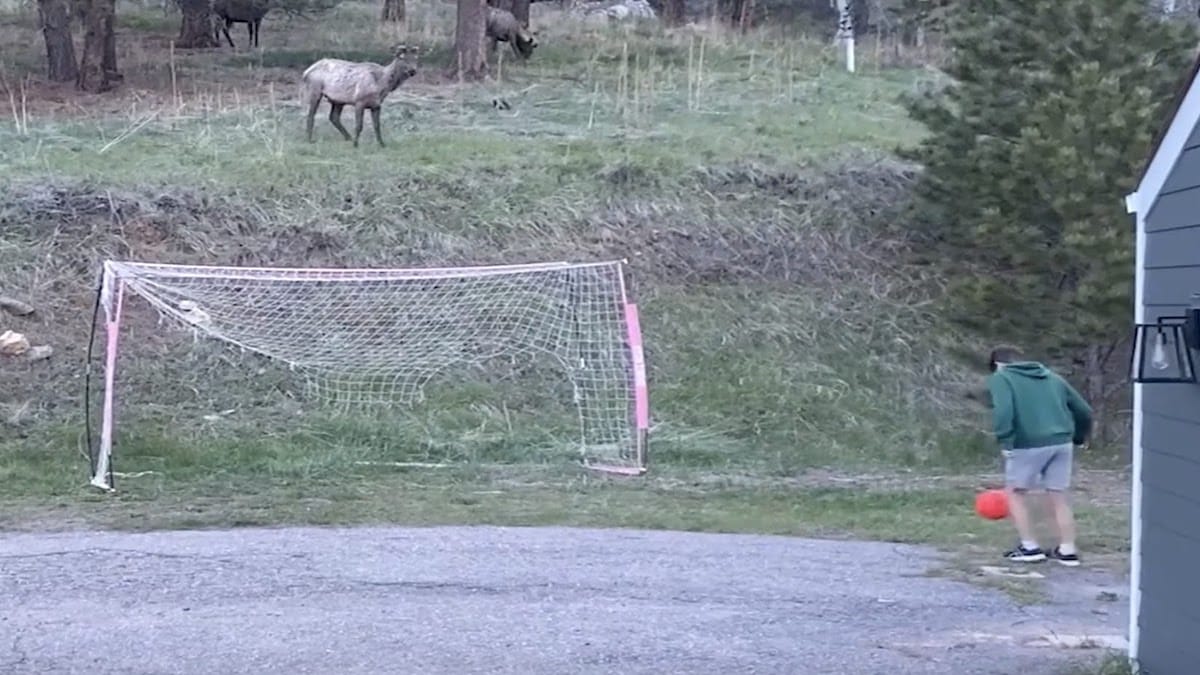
<point>511,600</point>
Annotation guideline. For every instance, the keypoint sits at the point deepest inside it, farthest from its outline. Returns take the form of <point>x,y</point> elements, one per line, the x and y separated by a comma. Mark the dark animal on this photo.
<point>362,85</point>
<point>229,12</point>
<point>502,26</point>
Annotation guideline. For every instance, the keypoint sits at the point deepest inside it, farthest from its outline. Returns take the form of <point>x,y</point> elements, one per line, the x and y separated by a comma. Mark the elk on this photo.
<point>363,85</point>
<point>229,12</point>
<point>502,26</point>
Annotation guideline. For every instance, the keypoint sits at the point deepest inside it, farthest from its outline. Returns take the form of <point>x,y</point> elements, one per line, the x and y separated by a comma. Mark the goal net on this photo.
<point>357,339</point>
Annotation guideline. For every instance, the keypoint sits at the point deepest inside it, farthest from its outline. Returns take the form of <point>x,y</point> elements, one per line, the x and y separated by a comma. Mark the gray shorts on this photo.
<point>1031,468</point>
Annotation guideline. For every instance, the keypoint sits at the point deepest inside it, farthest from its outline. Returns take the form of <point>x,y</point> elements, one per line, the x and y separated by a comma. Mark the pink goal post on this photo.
<point>577,314</point>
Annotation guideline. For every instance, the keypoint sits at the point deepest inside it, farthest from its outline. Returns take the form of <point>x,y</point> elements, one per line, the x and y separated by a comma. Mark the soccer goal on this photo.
<point>358,338</point>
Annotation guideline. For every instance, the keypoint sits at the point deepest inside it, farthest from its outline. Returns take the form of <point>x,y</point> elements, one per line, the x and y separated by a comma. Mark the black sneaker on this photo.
<point>1068,559</point>
<point>1022,554</point>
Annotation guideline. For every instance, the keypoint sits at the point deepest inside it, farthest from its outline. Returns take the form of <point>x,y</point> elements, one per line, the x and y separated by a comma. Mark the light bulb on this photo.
<point>1158,360</point>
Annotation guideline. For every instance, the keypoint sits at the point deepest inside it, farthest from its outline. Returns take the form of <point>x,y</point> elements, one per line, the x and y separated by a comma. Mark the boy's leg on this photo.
<point>1058,484</point>
<point>1022,470</point>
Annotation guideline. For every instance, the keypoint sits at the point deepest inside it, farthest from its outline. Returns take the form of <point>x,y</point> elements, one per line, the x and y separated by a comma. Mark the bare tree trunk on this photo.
<point>673,12</point>
<point>55,19</point>
<point>732,11</point>
<point>98,65</point>
<point>470,56</point>
<point>196,25</point>
<point>79,8</point>
<point>393,10</point>
<point>1100,389</point>
<point>109,64</point>
<point>520,11</point>
<point>744,18</point>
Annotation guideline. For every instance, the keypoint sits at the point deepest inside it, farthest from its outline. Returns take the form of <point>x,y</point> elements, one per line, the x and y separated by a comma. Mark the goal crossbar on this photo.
<point>198,297</point>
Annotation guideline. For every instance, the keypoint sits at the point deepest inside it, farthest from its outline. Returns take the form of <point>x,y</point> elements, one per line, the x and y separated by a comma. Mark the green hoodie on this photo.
<point>1033,407</point>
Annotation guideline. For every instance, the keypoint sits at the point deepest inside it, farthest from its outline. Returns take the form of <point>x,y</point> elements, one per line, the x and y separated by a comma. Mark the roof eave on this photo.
<point>1154,174</point>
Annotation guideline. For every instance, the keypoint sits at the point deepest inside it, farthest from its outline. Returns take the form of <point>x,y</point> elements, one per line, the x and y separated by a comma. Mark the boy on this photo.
<point>1038,419</point>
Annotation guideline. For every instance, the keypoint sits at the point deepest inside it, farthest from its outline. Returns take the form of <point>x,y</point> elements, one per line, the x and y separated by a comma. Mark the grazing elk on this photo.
<point>363,85</point>
<point>229,12</point>
<point>502,26</point>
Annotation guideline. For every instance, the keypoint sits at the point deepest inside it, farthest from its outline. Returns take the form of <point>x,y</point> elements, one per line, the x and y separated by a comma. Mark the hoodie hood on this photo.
<point>1030,369</point>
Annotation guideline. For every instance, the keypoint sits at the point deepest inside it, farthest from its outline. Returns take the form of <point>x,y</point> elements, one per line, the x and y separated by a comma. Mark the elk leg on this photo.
<point>358,123</point>
<point>335,117</point>
<point>375,121</point>
<point>225,30</point>
<point>313,103</point>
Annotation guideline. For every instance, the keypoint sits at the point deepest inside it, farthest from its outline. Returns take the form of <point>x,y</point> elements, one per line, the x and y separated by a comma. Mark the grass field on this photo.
<point>801,380</point>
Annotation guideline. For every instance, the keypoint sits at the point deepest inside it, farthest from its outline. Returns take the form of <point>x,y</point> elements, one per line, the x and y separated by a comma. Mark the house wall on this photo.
<point>1169,621</point>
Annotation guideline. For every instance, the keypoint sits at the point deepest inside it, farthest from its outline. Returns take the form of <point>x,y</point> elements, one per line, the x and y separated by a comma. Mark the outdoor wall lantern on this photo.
<point>1162,351</point>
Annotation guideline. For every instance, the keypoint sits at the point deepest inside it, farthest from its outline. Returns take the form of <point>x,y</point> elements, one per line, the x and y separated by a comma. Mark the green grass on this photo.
<point>801,381</point>
<point>182,490</point>
<point>589,99</point>
<point>1112,664</point>
<point>564,132</point>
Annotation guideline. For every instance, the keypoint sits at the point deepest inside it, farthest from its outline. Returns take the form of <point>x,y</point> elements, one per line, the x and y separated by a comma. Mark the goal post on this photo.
<point>364,337</point>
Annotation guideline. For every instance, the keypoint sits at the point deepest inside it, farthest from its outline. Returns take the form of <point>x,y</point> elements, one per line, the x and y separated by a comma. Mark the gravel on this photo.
<point>505,600</point>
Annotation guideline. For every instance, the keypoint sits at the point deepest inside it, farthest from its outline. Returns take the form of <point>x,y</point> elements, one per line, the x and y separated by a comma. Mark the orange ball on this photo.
<point>992,504</point>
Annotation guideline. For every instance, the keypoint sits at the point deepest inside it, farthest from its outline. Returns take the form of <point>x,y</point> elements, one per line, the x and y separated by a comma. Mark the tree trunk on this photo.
<point>520,11</point>
<point>97,65</point>
<point>1097,392</point>
<point>393,10</point>
<point>673,12</point>
<point>745,16</point>
<point>470,58</point>
<point>845,26</point>
<point>196,25</point>
<point>109,64</point>
<point>55,19</point>
<point>732,11</point>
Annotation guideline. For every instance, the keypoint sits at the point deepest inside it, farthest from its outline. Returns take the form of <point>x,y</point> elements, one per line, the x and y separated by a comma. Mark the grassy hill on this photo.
<point>749,181</point>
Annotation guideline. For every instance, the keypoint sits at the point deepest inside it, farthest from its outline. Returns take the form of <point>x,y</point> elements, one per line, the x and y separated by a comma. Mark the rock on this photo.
<point>619,11</point>
<point>15,307</point>
<point>39,353</point>
<point>13,343</point>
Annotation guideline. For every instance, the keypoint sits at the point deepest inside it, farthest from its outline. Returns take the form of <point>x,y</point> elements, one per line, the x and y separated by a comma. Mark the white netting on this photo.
<point>372,337</point>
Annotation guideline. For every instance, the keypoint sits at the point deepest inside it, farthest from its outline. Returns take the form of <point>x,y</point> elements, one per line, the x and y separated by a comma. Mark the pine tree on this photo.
<point>1050,115</point>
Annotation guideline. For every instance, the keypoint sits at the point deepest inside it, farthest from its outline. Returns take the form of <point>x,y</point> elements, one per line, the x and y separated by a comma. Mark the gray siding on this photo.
<point>1170,611</point>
